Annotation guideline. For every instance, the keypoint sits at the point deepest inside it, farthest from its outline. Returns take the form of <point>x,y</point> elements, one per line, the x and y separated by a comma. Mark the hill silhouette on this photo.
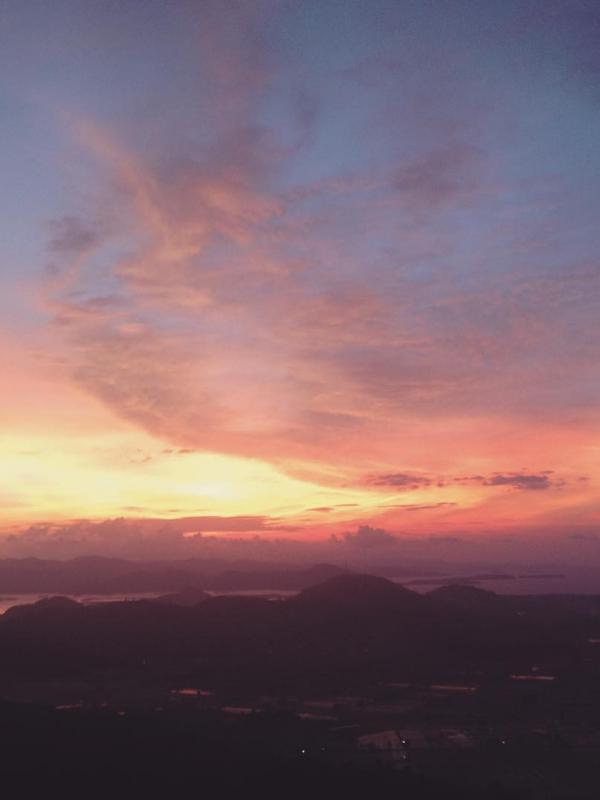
<point>337,634</point>
<point>358,590</point>
<point>465,596</point>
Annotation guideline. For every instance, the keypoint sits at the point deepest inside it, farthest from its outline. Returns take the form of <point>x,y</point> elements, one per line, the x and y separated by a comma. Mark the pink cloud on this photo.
<point>335,326</point>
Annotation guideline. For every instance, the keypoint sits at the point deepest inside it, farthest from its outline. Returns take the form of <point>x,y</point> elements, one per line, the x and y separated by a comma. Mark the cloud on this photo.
<point>70,235</point>
<point>368,537</point>
<point>260,290</point>
<point>401,481</point>
<point>269,540</point>
<point>230,332</point>
<point>522,481</point>
<point>448,175</point>
<point>419,506</point>
<point>136,538</point>
<point>517,480</point>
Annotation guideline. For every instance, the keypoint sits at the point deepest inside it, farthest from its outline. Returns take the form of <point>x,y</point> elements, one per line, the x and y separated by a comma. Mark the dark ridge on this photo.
<point>47,606</point>
<point>463,595</point>
<point>351,589</point>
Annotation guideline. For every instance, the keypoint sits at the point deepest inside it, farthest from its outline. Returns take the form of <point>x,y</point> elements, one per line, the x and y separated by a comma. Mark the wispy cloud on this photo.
<point>401,481</point>
<point>303,241</point>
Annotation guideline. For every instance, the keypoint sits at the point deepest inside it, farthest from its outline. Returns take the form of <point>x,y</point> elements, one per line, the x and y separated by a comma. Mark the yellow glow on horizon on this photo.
<point>53,477</point>
<point>64,456</point>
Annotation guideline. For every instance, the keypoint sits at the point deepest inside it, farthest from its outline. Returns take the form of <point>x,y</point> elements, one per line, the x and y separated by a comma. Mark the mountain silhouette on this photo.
<point>355,591</point>
<point>340,634</point>
<point>465,596</point>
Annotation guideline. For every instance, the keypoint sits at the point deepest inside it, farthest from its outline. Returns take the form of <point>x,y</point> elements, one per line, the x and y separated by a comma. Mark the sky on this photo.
<point>286,271</point>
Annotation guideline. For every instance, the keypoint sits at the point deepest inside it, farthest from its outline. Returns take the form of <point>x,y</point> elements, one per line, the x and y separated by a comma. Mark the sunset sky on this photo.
<point>300,270</point>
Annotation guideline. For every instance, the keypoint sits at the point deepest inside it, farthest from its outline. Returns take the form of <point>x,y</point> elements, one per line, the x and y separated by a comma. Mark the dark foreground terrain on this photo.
<point>101,754</point>
<point>354,687</point>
